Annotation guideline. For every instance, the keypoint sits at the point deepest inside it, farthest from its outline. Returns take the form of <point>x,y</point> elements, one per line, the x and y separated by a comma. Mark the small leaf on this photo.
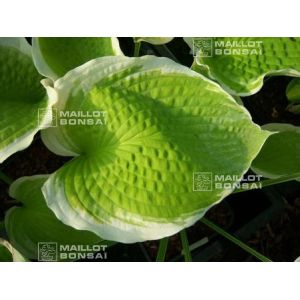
<point>294,108</point>
<point>240,65</point>
<point>22,97</point>
<point>132,178</point>
<point>8,253</point>
<point>34,222</point>
<point>153,40</point>
<point>54,57</point>
<point>293,91</point>
<point>280,154</point>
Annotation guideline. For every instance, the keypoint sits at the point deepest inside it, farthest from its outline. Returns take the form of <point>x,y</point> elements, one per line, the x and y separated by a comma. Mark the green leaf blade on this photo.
<point>8,253</point>
<point>132,179</point>
<point>54,57</point>
<point>280,154</point>
<point>243,74</point>
<point>35,223</point>
<point>293,91</point>
<point>22,96</point>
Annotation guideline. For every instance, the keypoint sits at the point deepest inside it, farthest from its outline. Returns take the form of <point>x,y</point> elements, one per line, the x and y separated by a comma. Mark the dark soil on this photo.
<point>278,240</point>
<point>269,104</point>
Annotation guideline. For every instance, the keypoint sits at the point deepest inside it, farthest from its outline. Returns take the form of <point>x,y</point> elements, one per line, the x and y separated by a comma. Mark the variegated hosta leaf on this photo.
<point>280,154</point>
<point>132,179</point>
<point>154,40</point>
<point>34,222</point>
<point>22,97</point>
<point>8,253</point>
<point>239,65</point>
<point>55,56</point>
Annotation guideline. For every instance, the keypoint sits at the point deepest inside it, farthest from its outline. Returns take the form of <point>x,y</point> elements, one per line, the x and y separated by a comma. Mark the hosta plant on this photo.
<point>137,130</point>
<point>132,179</point>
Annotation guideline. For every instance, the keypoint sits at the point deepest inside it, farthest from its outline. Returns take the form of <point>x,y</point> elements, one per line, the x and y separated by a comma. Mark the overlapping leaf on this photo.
<point>54,57</point>
<point>8,253</point>
<point>154,40</point>
<point>240,64</point>
<point>34,223</point>
<point>22,97</point>
<point>293,91</point>
<point>132,178</point>
<point>293,96</point>
<point>280,154</point>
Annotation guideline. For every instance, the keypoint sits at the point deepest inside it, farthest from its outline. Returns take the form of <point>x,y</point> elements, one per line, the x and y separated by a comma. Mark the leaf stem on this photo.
<point>162,249</point>
<point>268,182</point>
<point>137,47</point>
<point>185,246</point>
<point>234,240</point>
<point>5,178</point>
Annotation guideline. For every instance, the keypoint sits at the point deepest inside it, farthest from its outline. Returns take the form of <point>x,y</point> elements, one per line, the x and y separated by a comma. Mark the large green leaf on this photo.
<point>8,253</point>
<point>22,97</point>
<point>34,223</point>
<point>132,179</point>
<point>154,40</point>
<point>240,73</point>
<point>55,56</point>
<point>280,154</point>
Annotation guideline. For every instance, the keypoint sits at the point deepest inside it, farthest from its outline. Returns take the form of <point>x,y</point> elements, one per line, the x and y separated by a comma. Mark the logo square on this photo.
<point>202,47</point>
<point>47,117</point>
<point>47,251</point>
<point>202,181</point>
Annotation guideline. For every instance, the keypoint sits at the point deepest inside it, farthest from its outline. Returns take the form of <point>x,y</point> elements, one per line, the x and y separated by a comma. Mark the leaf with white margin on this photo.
<point>132,179</point>
<point>8,253</point>
<point>241,74</point>
<point>22,97</point>
<point>55,56</point>
<point>280,154</point>
<point>153,40</point>
<point>34,222</point>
